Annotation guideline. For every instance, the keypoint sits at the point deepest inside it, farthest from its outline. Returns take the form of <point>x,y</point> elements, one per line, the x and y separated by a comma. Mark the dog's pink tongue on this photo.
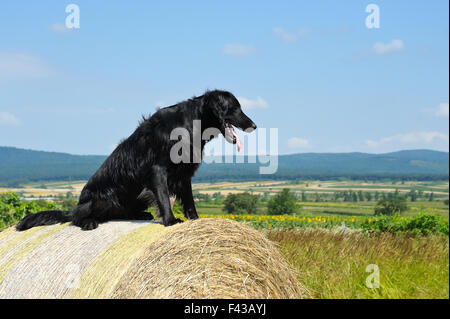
<point>238,141</point>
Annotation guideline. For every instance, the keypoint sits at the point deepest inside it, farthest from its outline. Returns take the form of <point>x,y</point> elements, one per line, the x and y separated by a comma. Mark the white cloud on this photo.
<point>420,139</point>
<point>239,49</point>
<point>8,119</point>
<point>442,110</point>
<point>297,142</point>
<point>22,65</point>
<point>59,28</point>
<point>393,46</point>
<point>249,104</point>
<point>288,36</point>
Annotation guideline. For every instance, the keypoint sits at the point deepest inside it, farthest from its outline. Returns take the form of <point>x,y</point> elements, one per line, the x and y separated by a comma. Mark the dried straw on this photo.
<point>205,258</point>
<point>210,258</point>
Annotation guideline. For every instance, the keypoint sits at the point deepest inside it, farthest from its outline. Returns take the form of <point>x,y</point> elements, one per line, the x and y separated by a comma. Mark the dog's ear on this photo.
<point>217,108</point>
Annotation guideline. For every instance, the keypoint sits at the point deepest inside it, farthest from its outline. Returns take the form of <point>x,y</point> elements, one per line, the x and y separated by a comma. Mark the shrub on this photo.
<point>69,204</point>
<point>422,224</point>
<point>391,205</point>
<point>177,207</point>
<point>13,209</point>
<point>283,203</point>
<point>427,224</point>
<point>243,203</point>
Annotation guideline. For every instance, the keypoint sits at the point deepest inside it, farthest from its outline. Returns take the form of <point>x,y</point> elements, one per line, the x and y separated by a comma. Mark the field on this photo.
<point>332,265</point>
<point>330,241</point>
<point>320,201</point>
<point>319,194</point>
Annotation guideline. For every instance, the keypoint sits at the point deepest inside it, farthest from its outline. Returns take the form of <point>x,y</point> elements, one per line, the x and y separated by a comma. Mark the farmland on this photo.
<point>331,238</point>
<point>320,196</point>
<point>315,199</point>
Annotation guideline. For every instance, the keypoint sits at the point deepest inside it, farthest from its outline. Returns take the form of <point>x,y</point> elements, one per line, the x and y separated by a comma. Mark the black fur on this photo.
<point>139,172</point>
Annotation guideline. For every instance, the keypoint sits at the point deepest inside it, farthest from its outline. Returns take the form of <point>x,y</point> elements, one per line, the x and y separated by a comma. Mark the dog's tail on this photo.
<point>48,217</point>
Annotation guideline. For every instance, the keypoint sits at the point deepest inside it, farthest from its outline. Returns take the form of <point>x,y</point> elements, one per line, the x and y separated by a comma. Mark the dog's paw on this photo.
<point>88,224</point>
<point>172,222</point>
<point>191,214</point>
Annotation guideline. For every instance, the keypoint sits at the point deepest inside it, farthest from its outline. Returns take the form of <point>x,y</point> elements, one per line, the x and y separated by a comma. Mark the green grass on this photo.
<point>334,266</point>
<point>209,210</point>
<point>341,208</point>
<point>411,253</point>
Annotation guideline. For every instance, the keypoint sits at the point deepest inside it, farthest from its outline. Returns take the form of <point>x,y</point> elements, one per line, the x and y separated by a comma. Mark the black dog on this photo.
<point>141,170</point>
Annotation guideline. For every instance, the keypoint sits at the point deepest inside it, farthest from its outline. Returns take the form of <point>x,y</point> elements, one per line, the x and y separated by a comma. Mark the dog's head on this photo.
<point>224,113</point>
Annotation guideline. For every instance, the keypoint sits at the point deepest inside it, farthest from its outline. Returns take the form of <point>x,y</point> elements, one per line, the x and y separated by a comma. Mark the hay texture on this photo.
<point>205,258</point>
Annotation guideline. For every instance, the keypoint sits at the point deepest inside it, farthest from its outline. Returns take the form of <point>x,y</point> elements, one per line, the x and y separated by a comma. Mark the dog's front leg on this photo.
<point>187,200</point>
<point>158,185</point>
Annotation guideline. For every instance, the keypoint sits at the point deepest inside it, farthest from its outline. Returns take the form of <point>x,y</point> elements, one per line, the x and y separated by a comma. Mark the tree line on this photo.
<point>285,201</point>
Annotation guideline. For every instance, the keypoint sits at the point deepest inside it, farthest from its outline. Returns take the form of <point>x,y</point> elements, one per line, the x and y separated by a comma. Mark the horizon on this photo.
<point>315,71</point>
<point>299,153</point>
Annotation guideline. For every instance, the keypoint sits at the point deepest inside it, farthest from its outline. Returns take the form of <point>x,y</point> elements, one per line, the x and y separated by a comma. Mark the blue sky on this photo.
<point>312,69</point>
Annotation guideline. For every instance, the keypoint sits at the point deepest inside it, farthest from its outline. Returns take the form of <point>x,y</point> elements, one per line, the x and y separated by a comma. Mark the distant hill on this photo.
<point>406,165</point>
<point>18,166</point>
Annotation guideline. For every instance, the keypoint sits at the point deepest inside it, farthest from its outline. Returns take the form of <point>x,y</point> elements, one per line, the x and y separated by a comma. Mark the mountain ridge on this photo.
<point>21,165</point>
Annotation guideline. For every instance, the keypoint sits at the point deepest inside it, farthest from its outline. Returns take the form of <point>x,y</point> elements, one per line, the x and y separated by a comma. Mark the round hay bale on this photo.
<point>210,258</point>
<point>205,258</point>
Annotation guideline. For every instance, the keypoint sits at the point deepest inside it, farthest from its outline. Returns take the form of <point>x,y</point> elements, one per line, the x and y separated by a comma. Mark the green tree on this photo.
<point>206,198</point>
<point>336,196</point>
<point>390,206</point>
<point>304,198</point>
<point>218,198</point>
<point>413,195</point>
<point>282,203</point>
<point>377,196</point>
<point>420,194</point>
<point>317,197</point>
<point>360,196</point>
<point>242,203</point>
<point>347,196</point>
